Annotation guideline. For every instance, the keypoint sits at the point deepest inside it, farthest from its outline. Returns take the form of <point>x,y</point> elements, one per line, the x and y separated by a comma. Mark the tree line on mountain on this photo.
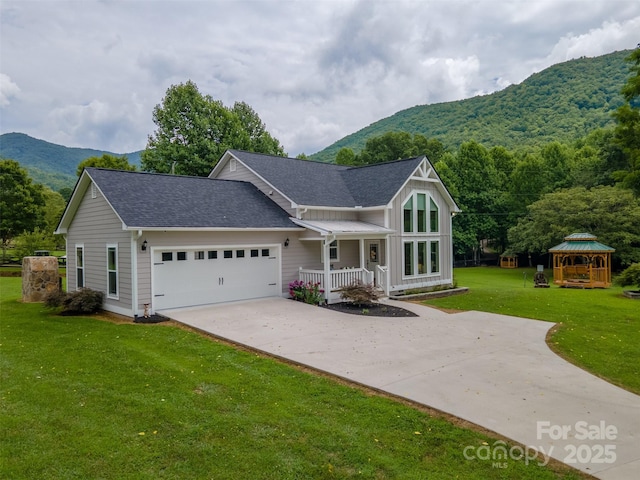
<point>520,199</point>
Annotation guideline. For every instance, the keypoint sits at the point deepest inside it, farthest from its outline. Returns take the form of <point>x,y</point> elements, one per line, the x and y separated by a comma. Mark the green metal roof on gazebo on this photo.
<point>581,242</point>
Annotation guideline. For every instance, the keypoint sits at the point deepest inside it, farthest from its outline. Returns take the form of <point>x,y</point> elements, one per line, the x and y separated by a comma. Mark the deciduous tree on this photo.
<point>21,202</point>
<point>627,131</point>
<point>610,213</point>
<point>194,130</point>
<point>106,161</point>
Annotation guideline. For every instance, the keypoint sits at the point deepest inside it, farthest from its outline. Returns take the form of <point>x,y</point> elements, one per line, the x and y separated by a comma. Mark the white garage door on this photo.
<point>187,277</point>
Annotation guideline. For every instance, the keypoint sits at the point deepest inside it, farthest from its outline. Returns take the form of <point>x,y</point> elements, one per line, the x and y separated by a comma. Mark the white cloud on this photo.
<point>609,37</point>
<point>8,90</point>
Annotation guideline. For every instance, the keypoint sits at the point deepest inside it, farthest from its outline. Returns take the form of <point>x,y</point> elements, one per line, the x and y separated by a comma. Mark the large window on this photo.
<point>415,216</point>
<point>112,271</point>
<point>421,258</point>
<point>79,266</point>
<point>434,247</point>
<point>434,216</point>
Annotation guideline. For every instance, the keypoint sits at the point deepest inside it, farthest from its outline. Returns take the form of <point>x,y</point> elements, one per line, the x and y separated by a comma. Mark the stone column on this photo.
<point>39,278</point>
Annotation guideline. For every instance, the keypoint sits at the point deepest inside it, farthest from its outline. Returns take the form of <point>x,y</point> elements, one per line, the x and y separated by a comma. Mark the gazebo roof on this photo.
<point>581,243</point>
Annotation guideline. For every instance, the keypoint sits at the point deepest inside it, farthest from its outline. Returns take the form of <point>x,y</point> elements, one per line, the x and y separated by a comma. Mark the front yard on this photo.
<point>598,329</point>
<point>89,398</point>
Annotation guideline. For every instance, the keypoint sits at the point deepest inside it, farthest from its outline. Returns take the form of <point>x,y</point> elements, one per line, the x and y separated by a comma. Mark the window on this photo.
<point>416,218</point>
<point>265,252</point>
<point>421,212</point>
<point>407,211</point>
<point>182,255</point>
<point>167,256</point>
<point>254,253</point>
<point>228,254</point>
<point>408,258</point>
<point>199,255</point>
<point>433,217</point>
<point>212,254</point>
<point>334,252</point>
<point>239,253</point>
<point>421,258</point>
<point>435,257</point>
<point>79,266</point>
<point>112,271</point>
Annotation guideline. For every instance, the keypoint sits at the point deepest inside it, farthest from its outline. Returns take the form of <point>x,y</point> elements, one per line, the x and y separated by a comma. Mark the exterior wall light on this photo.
<point>286,243</point>
<point>144,246</point>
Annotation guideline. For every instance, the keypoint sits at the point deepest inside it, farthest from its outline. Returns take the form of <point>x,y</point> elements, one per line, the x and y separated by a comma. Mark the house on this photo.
<point>258,222</point>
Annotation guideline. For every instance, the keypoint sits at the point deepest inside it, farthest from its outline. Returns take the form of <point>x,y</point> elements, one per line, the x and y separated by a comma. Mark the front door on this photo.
<point>372,251</point>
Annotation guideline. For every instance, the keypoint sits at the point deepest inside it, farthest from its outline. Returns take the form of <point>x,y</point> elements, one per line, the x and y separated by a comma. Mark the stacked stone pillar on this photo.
<point>39,278</point>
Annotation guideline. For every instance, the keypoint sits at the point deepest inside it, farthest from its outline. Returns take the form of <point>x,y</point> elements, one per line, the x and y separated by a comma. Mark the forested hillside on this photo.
<point>561,103</point>
<point>47,163</point>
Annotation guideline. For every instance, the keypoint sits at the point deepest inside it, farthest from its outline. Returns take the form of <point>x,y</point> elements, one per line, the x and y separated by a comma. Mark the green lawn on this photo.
<point>598,329</point>
<point>88,398</point>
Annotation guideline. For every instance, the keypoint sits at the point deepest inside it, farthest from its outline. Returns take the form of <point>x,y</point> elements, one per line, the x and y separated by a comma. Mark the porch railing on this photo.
<point>337,279</point>
<point>381,277</point>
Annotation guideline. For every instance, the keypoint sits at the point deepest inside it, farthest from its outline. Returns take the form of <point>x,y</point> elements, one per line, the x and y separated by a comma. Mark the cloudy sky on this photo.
<point>88,73</point>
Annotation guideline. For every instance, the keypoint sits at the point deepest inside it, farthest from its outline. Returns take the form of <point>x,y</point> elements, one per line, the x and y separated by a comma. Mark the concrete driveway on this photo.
<point>493,370</point>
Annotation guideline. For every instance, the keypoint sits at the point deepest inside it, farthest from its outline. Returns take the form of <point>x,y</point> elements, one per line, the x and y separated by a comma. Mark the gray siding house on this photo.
<point>257,223</point>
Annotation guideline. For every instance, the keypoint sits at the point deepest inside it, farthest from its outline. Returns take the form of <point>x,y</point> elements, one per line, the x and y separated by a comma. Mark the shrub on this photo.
<point>360,293</point>
<point>306,292</point>
<point>75,303</point>
<point>630,276</point>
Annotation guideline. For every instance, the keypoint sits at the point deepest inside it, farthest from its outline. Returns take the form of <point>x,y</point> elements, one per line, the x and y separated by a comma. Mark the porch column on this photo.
<point>362,260</point>
<point>327,266</point>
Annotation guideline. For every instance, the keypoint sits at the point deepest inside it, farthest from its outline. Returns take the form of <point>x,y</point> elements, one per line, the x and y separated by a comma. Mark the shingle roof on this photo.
<point>325,184</point>
<point>149,200</point>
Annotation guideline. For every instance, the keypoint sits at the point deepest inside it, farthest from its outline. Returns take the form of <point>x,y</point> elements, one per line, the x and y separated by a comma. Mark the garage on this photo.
<point>197,276</point>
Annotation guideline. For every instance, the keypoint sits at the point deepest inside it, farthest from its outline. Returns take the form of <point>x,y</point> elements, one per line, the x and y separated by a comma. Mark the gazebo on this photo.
<point>581,261</point>
<point>509,260</point>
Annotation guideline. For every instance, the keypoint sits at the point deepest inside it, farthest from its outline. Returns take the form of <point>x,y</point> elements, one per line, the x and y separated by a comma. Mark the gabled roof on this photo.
<point>160,201</point>
<point>311,183</point>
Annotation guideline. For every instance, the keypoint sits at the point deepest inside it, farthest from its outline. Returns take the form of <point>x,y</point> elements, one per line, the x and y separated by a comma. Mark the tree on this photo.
<point>627,132</point>
<point>28,242</point>
<point>610,213</point>
<point>398,145</point>
<point>346,156</point>
<point>194,130</point>
<point>53,210</point>
<point>630,276</point>
<point>21,202</point>
<point>259,139</point>
<point>472,174</point>
<point>106,161</point>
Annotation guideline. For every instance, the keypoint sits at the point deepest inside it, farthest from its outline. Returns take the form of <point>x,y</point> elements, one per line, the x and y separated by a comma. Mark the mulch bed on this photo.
<point>370,310</point>
<point>151,319</point>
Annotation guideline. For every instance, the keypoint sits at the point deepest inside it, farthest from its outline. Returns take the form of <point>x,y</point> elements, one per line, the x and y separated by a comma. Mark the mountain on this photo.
<point>50,164</point>
<point>563,102</point>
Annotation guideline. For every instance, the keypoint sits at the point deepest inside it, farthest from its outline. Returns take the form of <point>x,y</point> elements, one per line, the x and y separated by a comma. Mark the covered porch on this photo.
<point>349,251</point>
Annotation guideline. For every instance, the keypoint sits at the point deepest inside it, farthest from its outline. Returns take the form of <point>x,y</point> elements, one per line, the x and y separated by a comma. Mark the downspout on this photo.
<point>66,252</point>
<point>135,236</point>
<point>300,212</point>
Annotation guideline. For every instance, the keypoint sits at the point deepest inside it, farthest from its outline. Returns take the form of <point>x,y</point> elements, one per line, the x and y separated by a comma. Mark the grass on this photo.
<point>598,329</point>
<point>88,398</point>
